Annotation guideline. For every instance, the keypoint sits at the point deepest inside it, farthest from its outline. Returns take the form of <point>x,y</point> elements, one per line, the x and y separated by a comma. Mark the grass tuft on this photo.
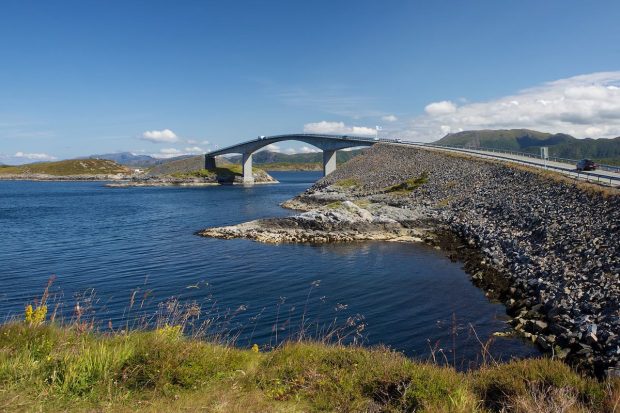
<point>408,186</point>
<point>347,183</point>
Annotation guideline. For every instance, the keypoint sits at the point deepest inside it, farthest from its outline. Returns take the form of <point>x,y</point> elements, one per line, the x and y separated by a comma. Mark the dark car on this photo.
<point>586,165</point>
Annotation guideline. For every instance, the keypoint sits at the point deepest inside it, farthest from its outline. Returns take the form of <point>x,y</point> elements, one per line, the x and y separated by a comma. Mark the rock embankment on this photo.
<point>547,247</point>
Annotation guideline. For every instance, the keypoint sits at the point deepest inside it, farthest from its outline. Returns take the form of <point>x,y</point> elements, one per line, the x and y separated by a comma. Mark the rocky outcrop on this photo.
<point>547,247</point>
<point>336,222</point>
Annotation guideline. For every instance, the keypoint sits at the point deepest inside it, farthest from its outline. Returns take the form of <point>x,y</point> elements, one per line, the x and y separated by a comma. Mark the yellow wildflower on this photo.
<point>29,311</point>
<point>35,315</point>
<point>255,348</point>
<point>169,332</point>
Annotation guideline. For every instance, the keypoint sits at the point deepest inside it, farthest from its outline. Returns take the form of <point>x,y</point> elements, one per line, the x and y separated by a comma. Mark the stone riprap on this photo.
<point>555,245</point>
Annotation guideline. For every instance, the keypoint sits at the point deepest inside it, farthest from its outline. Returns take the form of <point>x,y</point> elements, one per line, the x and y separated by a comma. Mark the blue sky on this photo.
<point>165,77</point>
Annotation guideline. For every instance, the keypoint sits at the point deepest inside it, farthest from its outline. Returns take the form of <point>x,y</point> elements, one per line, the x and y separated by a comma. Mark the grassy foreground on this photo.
<point>47,368</point>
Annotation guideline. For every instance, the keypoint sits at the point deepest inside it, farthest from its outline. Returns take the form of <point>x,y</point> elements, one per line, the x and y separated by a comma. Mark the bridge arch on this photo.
<point>329,144</point>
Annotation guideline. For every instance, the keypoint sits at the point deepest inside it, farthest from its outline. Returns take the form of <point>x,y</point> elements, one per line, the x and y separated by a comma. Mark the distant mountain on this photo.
<point>68,167</point>
<point>524,140</point>
<point>268,157</point>
<point>129,159</point>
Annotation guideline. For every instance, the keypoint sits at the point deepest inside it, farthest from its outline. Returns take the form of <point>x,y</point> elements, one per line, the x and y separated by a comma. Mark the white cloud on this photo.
<point>191,142</point>
<point>582,106</point>
<point>389,118</point>
<point>308,149</point>
<point>168,153</point>
<point>194,149</point>
<point>440,108</point>
<point>34,156</point>
<point>338,128</point>
<point>159,136</point>
<point>272,148</point>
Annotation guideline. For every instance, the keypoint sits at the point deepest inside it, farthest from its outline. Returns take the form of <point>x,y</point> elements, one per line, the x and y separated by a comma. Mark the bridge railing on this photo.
<point>581,175</point>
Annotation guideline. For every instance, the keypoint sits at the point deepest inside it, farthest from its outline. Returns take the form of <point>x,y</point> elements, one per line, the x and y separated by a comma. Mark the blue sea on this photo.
<point>128,257</point>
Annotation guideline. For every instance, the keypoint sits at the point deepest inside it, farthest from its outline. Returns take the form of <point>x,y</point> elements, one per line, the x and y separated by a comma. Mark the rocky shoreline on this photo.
<point>548,248</point>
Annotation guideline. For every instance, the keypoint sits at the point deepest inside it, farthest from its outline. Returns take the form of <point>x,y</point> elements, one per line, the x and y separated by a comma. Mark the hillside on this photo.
<point>183,165</point>
<point>68,167</point>
<point>524,140</point>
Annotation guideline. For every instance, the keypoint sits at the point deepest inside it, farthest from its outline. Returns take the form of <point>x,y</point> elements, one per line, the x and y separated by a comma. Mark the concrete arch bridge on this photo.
<point>329,144</point>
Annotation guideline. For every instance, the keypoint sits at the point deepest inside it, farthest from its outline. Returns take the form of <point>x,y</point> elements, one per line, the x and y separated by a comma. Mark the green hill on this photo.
<point>183,165</point>
<point>524,140</point>
<point>68,167</point>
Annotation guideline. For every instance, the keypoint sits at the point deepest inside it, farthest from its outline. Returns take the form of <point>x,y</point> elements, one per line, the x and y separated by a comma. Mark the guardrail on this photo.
<point>604,167</point>
<point>587,176</point>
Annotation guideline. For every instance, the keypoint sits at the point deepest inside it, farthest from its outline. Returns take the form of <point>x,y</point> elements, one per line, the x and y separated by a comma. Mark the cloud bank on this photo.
<point>582,106</point>
<point>338,128</point>
<point>34,156</point>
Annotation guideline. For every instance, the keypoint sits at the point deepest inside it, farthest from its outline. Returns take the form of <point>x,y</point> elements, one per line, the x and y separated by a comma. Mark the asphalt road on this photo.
<point>605,177</point>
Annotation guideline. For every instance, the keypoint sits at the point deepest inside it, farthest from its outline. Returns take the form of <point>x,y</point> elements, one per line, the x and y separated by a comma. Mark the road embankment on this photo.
<point>545,246</point>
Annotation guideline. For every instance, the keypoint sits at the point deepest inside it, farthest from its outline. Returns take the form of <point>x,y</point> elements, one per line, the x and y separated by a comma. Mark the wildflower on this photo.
<point>29,311</point>
<point>35,315</point>
<point>169,332</point>
<point>255,348</point>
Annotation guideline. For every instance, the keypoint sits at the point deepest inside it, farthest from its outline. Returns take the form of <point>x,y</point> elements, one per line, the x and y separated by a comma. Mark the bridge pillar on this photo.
<point>246,163</point>
<point>329,162</point>
<point>210,162</point>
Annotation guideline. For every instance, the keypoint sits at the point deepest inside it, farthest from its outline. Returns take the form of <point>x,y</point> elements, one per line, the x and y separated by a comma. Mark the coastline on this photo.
<point>536,244</point>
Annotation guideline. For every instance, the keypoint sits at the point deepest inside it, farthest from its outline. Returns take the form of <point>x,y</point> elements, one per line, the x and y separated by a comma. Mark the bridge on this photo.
<point>329,144</point>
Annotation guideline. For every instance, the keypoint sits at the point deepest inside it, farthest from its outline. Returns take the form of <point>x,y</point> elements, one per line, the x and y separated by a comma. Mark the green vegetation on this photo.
<point>524,140</point>
<point>347,183</point>
<point>47,368</point>
<point>334,205</point>
<point>362,203</point>
<point>183,165</point>
<point>68,167</point>
<point>292,166</point>
<point>408,186</point>
<point>229,171</point>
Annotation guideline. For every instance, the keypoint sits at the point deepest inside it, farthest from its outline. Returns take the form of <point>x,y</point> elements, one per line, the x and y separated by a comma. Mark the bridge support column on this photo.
<point>246,163</point>
<point>209,162</point>
<point>329,162</point>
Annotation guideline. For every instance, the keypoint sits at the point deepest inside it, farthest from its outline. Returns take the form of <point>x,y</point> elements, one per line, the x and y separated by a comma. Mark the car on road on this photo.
<point>586,165</point>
